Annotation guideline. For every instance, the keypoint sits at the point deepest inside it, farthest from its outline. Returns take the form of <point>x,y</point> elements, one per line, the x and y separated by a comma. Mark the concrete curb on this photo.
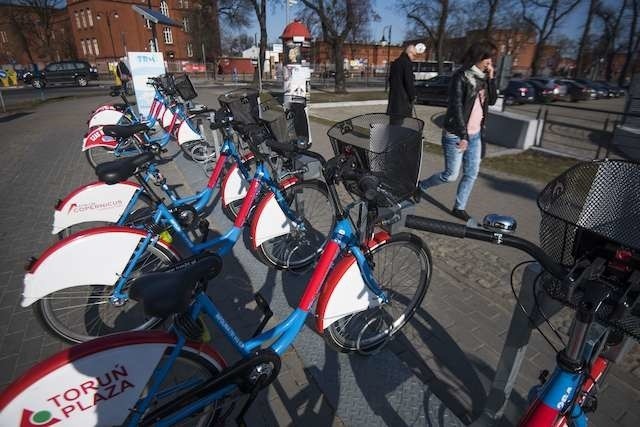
<point>346,104</point>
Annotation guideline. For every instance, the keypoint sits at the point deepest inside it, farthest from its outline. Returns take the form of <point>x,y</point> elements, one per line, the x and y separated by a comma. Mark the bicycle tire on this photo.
<point>100,154</point>
<point>297,250</point>
<point>368,331</point>
<point>76,329</point>
<point>141,212</point>
<point>232,208</point>
<point>201,370</point>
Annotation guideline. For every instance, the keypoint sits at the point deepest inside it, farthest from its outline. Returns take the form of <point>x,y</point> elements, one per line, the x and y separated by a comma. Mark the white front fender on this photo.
<point>187,134</point>
<point>93,202</point>
<point>269,221</point>
<point>345,291</point>
<point>234,186</point>
<point>107,117</point>
<point>92,257</point>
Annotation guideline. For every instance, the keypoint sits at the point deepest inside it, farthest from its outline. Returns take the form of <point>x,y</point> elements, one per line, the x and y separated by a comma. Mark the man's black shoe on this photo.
<point>461,213</point>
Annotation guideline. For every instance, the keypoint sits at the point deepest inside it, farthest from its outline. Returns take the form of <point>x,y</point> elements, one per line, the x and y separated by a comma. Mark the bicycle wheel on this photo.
<point>97,155</point>
<point>84,312</point>
<point>232,208</point>
<point>141,212</point>
<point>402,268</point>
<point>189,370</point>
<point>297,249</point>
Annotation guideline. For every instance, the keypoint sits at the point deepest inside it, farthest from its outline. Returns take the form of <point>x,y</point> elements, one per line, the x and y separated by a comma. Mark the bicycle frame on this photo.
<point>224,243</point>
<point>344,238</point>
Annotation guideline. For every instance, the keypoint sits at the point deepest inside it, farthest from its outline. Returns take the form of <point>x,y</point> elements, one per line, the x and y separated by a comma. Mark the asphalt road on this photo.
<point>14,97</point>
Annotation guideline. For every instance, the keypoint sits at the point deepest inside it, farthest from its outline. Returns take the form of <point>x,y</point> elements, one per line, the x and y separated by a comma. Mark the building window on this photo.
<point>168,35</point>
<point>77,20</point>
<point>84,19</point>
<point>183,4</point>
<point>189,50</point>
<point>147,24</point>
<point>90,17</point>
<point>164,8</point>
<point>95,47</point>
<point>84,47</point>
<point>3,37</point>
<point>185,24</point>
<point>89,49</point>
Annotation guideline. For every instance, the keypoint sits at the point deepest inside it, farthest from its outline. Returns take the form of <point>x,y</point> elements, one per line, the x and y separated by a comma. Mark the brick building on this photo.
<point>105,30</point>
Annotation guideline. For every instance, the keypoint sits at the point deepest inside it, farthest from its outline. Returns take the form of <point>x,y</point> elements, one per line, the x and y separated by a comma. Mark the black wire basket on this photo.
<point>167,84</point>
<point>592,205</point>
<point>387,146</point>
<point>184,87</point>
<point>243,105</point>
<point>288,123</point>
<point>600,198</point>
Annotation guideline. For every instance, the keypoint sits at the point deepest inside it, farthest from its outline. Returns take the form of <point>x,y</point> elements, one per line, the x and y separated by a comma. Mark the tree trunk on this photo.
<point>630,46</point>
<point>440,34</point>
<point>263,35</point>
<point>216,43</point>
<point>537,53</point>
<point>584,39</point>
<point>337,45</point>
<point>493,7</point>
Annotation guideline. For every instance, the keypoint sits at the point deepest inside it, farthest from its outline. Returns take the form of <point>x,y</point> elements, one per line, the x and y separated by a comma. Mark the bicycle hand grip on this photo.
<point>436,226</point>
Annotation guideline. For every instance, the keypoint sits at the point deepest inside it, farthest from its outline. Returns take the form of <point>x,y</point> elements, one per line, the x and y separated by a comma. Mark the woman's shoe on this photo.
<point>461,213</point>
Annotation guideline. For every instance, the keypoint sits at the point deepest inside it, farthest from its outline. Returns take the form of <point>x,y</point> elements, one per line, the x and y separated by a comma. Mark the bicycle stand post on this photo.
<point>515,345</point>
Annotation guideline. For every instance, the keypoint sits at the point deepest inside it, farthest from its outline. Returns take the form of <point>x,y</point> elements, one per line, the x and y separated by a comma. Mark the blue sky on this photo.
<point>391,15</point>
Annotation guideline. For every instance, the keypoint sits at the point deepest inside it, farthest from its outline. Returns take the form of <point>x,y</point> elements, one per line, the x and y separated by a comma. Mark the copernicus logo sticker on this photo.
<point>40,418</point>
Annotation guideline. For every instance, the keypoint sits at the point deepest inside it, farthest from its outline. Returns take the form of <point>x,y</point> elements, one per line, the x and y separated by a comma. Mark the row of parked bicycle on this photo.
<point>546,89</point>
<point>151,262</point>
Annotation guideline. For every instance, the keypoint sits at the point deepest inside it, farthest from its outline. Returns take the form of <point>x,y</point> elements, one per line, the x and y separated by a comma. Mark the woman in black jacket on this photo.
<point>471,91</point>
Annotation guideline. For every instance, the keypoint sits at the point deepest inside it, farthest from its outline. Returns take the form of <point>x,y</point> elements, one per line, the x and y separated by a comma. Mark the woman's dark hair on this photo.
<point>478,51</point>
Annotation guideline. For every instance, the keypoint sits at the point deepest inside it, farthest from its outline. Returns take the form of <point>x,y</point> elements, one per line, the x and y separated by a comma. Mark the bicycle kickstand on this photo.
<point>252,397</point>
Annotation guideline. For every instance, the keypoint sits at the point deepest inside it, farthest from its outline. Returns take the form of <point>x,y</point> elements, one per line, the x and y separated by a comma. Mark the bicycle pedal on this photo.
<point>590,403</point>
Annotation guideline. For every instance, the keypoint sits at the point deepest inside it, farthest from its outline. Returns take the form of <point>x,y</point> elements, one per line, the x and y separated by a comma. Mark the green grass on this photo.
<point>319,96</point>
<point>531,164</point>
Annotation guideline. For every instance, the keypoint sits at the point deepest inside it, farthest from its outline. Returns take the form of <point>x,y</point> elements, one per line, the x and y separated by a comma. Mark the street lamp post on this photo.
<point>382,40</point>
<point>107,16</point>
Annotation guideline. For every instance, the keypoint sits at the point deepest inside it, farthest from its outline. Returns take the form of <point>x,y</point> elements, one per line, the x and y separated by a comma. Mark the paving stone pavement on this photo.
<point>448,352</point>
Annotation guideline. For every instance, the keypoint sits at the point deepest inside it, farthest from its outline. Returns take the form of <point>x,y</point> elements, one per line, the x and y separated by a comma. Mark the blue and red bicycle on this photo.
<point>591,250</point>
<point>367,286</point>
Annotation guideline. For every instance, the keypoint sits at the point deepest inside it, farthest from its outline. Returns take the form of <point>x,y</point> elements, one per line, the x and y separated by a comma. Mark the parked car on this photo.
<point>558,89</point>
<point>614,89</point>
<point>518,92</point>
<point>596,91</point>
<point>577,92</point>
<point>435,90</point>
<point>542,92</point>
<point>65,72</point>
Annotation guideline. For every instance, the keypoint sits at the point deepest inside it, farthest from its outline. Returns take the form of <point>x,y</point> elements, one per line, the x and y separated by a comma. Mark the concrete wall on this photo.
<point>512,130</point>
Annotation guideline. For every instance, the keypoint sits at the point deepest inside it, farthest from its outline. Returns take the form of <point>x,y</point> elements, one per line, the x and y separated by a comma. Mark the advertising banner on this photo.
<point>142,66</point>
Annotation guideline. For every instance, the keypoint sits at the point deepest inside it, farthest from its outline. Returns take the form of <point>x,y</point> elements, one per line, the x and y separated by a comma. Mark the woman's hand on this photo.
<point>462,145</point>
<point>489,69</point>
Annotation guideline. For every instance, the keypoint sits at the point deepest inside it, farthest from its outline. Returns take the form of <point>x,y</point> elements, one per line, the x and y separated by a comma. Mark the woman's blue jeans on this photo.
<point>453,159</point>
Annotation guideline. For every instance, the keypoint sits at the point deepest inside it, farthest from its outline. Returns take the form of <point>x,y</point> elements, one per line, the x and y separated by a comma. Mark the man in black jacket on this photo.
<point>402,91</point>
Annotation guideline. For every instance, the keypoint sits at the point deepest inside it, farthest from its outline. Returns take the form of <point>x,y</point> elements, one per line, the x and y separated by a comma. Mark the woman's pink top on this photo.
<point>475,119</point>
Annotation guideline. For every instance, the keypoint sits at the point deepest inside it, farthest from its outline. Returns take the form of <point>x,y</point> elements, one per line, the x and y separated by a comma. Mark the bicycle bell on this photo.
<point>499,223</point>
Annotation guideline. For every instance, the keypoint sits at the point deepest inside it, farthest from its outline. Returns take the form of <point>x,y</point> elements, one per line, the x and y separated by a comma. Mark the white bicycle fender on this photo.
<point>167,117</point>
<point>92,384</point>
<point>93,202</point>
<point>345,291</point>
<point>269,221</point>
<point>234,186</point>
<point>187,134</point>
<point>106,117</point>
<point>92,257</point>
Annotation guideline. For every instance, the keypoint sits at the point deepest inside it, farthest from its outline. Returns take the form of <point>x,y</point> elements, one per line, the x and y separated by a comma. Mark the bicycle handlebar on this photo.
<point>463,231</point>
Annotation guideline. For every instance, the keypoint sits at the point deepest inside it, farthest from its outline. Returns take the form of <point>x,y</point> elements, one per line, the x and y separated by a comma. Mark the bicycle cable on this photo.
<point>524,310</point>
<point>539,308</point>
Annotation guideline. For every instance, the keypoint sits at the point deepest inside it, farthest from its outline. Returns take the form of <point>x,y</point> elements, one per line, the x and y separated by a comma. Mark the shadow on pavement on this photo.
<point>511,186</point>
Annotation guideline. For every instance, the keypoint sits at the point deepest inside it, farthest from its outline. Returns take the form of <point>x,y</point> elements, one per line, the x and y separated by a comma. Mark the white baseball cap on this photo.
<point>420,48</point>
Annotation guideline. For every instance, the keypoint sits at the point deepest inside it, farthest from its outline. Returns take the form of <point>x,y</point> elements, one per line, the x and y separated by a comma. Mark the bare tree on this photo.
<point>431,17</point>
<point>544,17</point>
<point>338,19</point>
<point>260,8</point>
<point>611,18</point>
<point>32,21</point>
<point>633,44</point>
<point>593,4</point>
